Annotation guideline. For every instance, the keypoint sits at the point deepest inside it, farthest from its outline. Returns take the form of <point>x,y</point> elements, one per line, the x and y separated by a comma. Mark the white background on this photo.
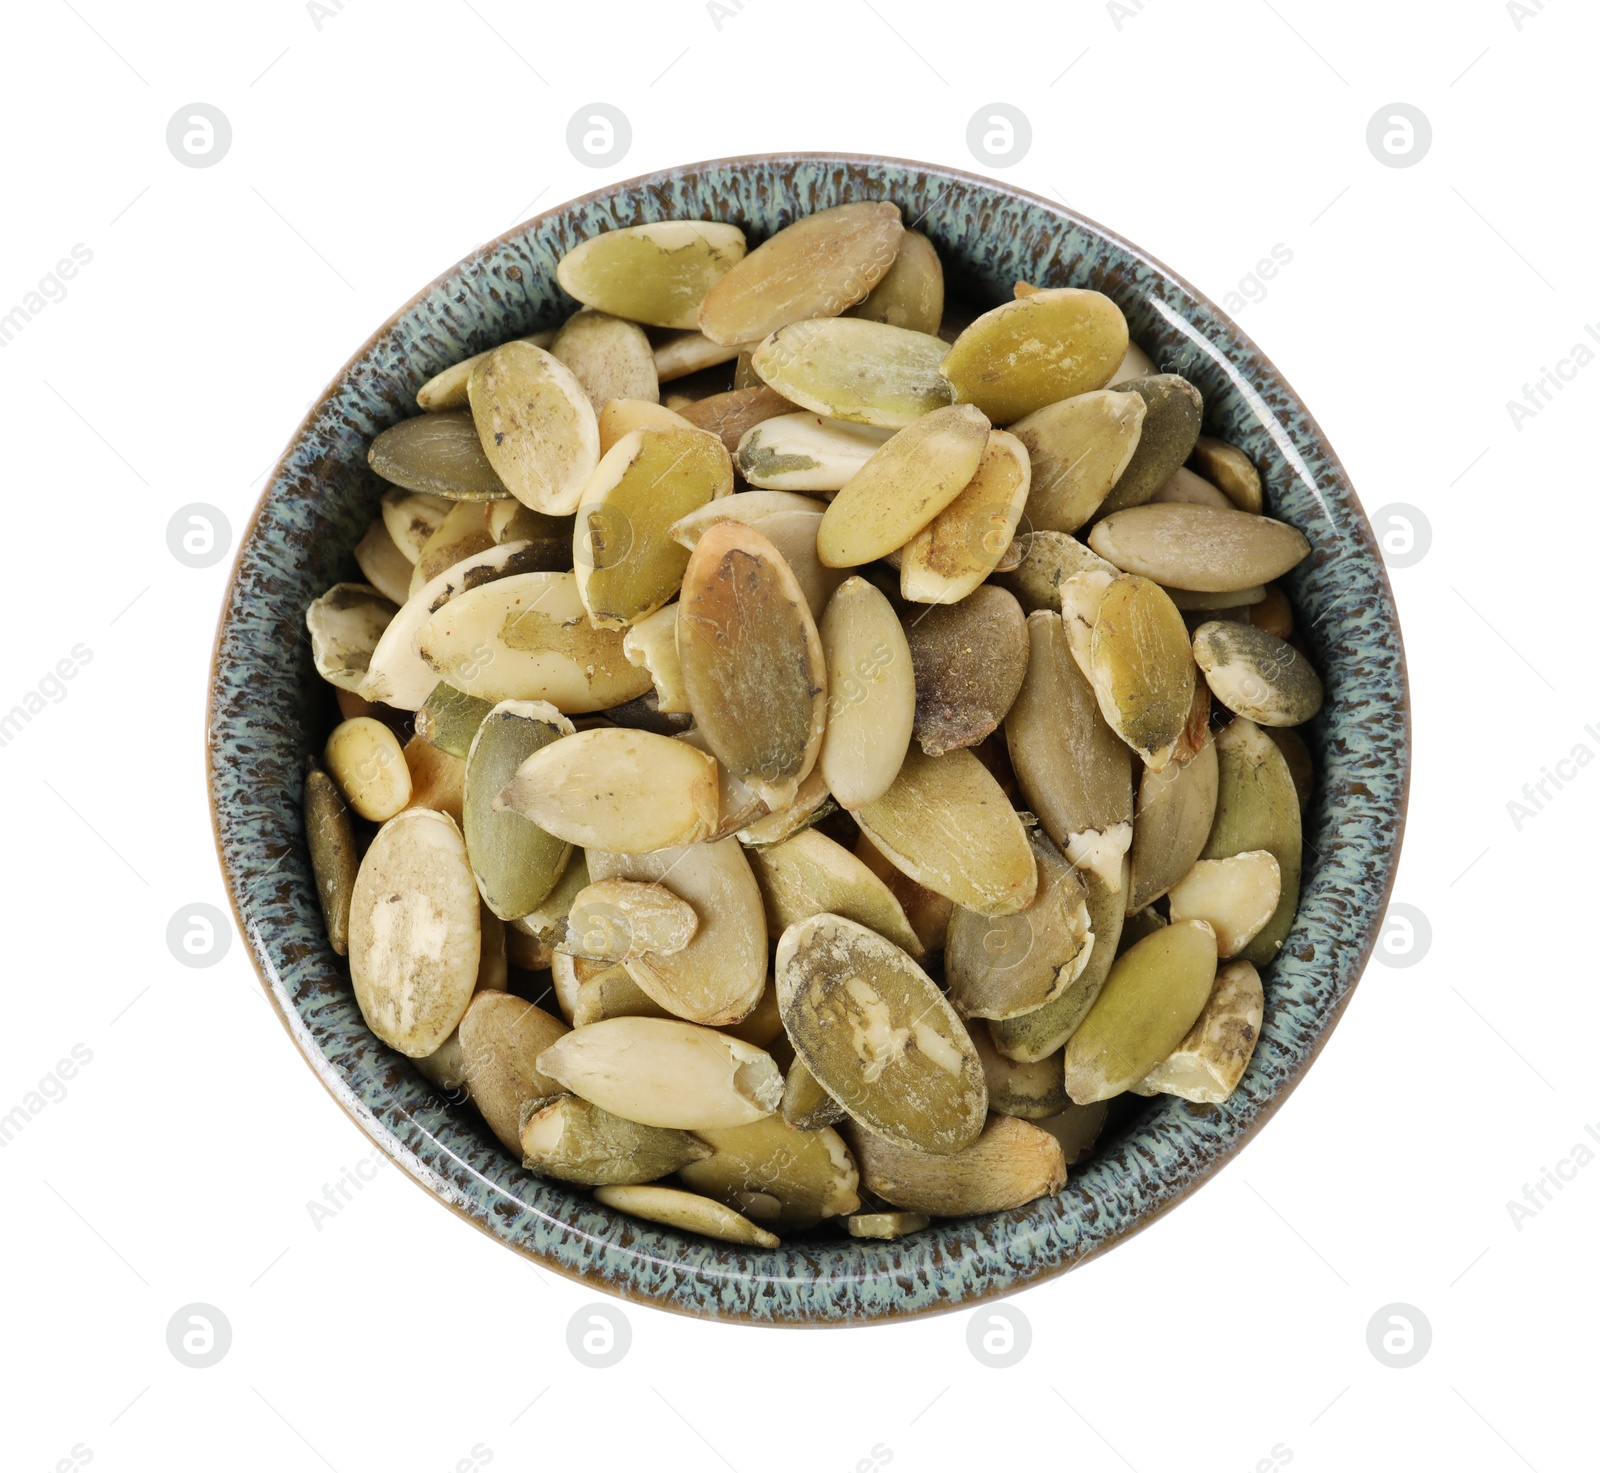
<point>370,151</point>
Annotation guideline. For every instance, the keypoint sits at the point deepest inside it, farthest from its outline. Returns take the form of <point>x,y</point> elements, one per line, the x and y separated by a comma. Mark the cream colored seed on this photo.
<point>1235,897</point>
<point>364,757</point>
<point>618,920</point>
<point>1208,1064</point>
<point>688,1211</point>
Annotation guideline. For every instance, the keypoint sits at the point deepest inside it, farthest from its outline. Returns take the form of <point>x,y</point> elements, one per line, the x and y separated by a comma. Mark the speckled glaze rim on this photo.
<point>263,717</point>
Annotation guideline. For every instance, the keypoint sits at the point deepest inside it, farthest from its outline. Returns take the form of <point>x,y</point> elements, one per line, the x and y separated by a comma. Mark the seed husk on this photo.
<point>511,521</point>
<point>687,353</point>
<point>1076,1129</point>
<point>618,920</point>
<point>809,874</point>
<point>462,534</point>
<point>411,518</point>
<point>516,862</point>
<point>1009,1165</point>
<point>731,416</point>
<point>1186,487</point>
<point>777,1175</point>
<point>1151,999</point>
<point>885,1225</point>
<point>659,1071</point>
<point>911,295</point>
<point>657,273</point>
<point>1230,470</point>
<point>346,624</point>
<point>1208,1064</point>
<point>502,1037</point>
<point>1257,809</point>
<point>946,822</point>
<point>616,789</point>
<point>878,1035</point>
<point>928,911</point>
<point>960,547</point>
<point>1078,449</point>
<point>752,660</point>
<point>333,854</point>
<point>816,267</point>
<point>1235,897</point>
<point>572,1140</point>
<point>1202,548</point>
<point>652,644</point>
<point>872,694</point>
<point>526,953</point>
<point>903,487</point>
<point>969,659</point>
<point>364,758</point>
<point>609,357</point>
<point>1173,408</point>
<point>1141,668</point>
<point>536,425</point>
<point>626,563</point>
<point>687,1211</point>
<point>1298,756</point>
<point>1171,823</point>
<point>415,935</point>
<point>719,977</point>
<point>806,452</point>
<point>1048,559</point>
<point>527,637</point>
<point>447,389</point>
<point>855,370</point>
<point>619,417</point>
<point>438,780</point>
<point>449,720</point>
<point>1029,1091</point>
<point>1004,966</point>
<point>1257,675</point>
<point>439,455</point>
<point>806,1104</point>
<point>1034,351</point>
<point>789,522</point>
<point>610,994</point>
<point>382,563</point>
<point>1036,1035</point>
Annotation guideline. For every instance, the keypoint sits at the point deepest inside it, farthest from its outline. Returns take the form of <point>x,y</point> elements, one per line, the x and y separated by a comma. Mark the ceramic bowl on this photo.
<point>268,710</point>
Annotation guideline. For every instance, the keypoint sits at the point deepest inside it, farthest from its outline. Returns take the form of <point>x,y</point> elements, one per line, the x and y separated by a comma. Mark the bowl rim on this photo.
<point>1036,1274</point>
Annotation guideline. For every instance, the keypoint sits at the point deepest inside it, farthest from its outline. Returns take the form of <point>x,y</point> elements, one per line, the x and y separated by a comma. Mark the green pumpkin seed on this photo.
<point>806,1104</point>
<point>805,452</point>
<point>1028,1091</point>
<point>872,694</point>
<point>1078,449</point>
<point>1298,756</point>
<point>657,273</point>
<point>969,660</point>
<point>886,1225</point>
<point>1230,470</point>
<point>610,994</point>
<point>787,521</point>
<point>1208,1064</point>
<point>611,358</point>
<point>1009,1165</point>
<point>855,370</point>
<point>1141,668</point>
<point>1202,548</point>
<point>346,624</point>
<point>912,294</point>
<point>449,720</point>
<point>1171,823</point>
<point>501,1039</point>
<point>688,1212</point>
<point>511,521</point>
<point>1257,675</point>
<point>333,854</point>
<point>878,1034</point>
<point>738,803</point>
<point>382,563</point>
<point>571,1140</point>
<point>809,874</point>
<point>961,546</point>
<point>1047,346</point>
<point>1048,560</point>
<point>777,1175</point>
<point>816,267</point>
<point>536,425</point>
<point>1235,897</point>
<point>411,518</point>
<point>546,923</point>
<point>1185,487</point>
<point>617,418</point>
<point>1173,407</point>
<point>439,455</point>
<point>1076,1129</point>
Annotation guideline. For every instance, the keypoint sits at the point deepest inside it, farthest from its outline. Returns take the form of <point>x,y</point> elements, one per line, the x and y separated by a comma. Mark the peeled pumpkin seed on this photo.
<point>1028,1091</point>
<point>346,624</point>
<point>812,802</point>
<point>878,1035</point>
<point>806,452</point>
<point>659,1071</point>
<point>810,874</point>
<point>572,1140</point>
<point>1271,612</point>
<point>1047,346</point>
<point>618,920</point>
<point>856,370</point>
<point>763,1026</point>
<point>928,911</point>
<point>567,977</point>
<point>527,637</point>
<point>411,518</point>
<point>626,563</point>
<point>777,1175</point>
<point>439,455</point>
<point>611,994</point>
<point>731,416</point>
<point>612,788</point>
<point>1187,601</point>
<point>618,417</point>
<point>960,547</point>
<point>903,487</point>
<point>1257,675</point>
<point>364,758</point>
<point>911,295</point>
<point>609,357</point>
<point>1186,487</point>
<point>686,1210</point>
<point>816,267</point>
<point>551,552</point>
<point>333,854</point>
<point>738,803</point>
<point>968,659</point>
<point>719,977</point>
<point>1208,1064</point>
<point>515,861</point>
<point>657,273</point>
<point>449,720</point>
<point>789,522</point>
<point>1202,548</point>
<point>447,389</point>
<point>1257,809</point>
<point>1009,1165</point>
<point>1171,823</point>
<point>1235,897</point>
<point>414,932</point>
<point>652,644</point>
<point>885,1225</point>
<point>382,563</point>
<point>438,780</point>
<point>1048,560</point>
<point>872,694</point>
<point>752,660</point>
<point>687,353</point>
<point>1004,966</point>
<point>444,1068</point>
<point>1295,753</point>
<point>946,822</point>
<point>502,1038</point>
<point>1141,668</point>
<point>1171,426</point>
<point>1081,597</point>
<point>1076,1129</point>
<point>462,534</point>
<point>806,1104</point>
<point>536,425</point>
<point>1230,470</point>
<point>1078,448</point>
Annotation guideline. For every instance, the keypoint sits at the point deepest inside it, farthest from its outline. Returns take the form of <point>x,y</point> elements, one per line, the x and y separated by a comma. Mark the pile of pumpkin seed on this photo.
<point>805,750</point>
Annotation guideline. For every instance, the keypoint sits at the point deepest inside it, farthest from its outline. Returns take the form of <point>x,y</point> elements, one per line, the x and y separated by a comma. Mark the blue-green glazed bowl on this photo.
<point>268,710</point>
